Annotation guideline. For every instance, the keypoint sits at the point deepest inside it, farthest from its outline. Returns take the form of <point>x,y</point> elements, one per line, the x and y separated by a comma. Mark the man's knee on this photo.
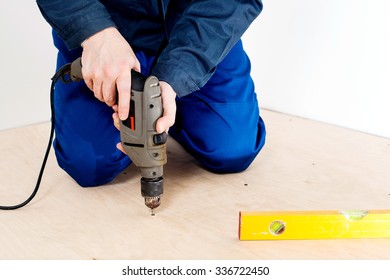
<point>228,152</point>
<point>234,157</point>
<point>89,169</point>
<point>228,160</point>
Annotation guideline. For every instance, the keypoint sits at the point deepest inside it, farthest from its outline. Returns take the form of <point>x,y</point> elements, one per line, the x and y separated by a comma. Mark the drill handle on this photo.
<point>76,75</point>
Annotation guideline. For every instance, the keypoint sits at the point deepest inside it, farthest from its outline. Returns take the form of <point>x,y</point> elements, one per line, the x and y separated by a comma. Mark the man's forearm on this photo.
<point>75,20</point>
<point>201,38</point>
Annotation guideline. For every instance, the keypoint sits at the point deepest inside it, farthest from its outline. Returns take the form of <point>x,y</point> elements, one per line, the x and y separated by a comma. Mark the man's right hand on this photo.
<point>107,61</point>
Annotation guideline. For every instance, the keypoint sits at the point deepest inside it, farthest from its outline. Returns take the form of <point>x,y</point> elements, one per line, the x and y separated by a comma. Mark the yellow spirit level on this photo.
<point>290,225</point>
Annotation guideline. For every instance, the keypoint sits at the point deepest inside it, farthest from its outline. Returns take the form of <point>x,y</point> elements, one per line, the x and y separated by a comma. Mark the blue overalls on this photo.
<point>217,119</point>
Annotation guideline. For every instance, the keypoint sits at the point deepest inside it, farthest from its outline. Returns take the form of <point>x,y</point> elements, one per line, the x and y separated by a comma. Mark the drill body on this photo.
<point>140,140</point>
<point>145,147</point>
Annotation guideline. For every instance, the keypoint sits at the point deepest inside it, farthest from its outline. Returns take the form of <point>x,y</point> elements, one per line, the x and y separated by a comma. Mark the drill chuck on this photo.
<point>151,190</point>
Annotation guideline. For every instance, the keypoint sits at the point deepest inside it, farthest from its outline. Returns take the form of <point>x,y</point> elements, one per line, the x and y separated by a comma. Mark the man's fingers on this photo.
<point>89,83</point>
<point>97,90</point>
<point>169,108</point>
<point>109,92</point>
<point>162,125</point>
<point>123,84</point>
<point>137,66</point>
<point>116,120</point>
<point>120,147</point>
<point>167,120</point>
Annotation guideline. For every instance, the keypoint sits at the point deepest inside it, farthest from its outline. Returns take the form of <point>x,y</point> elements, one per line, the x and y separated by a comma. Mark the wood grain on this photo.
<point>305,165</point>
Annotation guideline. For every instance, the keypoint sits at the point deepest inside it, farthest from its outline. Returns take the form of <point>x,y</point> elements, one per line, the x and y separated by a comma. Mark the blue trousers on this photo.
<point>219,125</point>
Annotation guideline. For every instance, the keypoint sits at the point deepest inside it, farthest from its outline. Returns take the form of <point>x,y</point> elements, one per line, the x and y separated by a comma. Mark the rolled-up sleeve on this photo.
<point>74,20</point>
<point>200,39</point>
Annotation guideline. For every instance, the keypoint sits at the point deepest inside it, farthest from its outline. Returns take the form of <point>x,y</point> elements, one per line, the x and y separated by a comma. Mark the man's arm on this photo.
<point>107,58</point>
<point>202,36</point>
<point>75,20</point>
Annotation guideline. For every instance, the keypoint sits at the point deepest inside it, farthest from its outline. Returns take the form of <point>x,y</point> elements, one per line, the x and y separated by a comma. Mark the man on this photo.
<point>192,47</point>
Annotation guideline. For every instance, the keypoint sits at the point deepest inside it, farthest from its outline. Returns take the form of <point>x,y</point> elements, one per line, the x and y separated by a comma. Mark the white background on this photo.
<point>322,60</point>
<point>107,269</point>
<point>325,60</point>
<point>27,60</point>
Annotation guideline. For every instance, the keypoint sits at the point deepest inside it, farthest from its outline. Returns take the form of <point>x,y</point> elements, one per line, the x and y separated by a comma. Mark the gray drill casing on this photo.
<point>140,140</point>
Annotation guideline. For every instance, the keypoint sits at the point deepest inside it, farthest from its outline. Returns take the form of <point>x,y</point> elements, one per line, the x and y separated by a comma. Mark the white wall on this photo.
<point>323,60</point>
<point>27,63</point>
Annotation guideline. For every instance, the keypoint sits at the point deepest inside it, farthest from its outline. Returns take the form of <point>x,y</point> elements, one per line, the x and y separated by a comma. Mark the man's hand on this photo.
<point>169,111</point>
<point>107,61</point>
<point>169,108</point>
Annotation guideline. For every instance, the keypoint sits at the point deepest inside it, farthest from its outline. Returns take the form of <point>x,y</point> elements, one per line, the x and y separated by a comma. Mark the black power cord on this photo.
<point>61,74</point>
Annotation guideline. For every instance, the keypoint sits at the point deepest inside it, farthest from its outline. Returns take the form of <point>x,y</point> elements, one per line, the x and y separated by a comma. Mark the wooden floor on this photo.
<point>305,165</point>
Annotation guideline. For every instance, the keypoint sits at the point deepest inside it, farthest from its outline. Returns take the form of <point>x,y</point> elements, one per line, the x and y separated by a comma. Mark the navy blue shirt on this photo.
<point>190,37</point>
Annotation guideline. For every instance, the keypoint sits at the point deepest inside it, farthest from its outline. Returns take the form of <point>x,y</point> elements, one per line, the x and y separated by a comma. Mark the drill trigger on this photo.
<point>159,139</point>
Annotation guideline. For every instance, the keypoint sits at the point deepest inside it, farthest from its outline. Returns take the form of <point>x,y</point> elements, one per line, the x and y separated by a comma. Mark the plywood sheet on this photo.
<point>305,165</point>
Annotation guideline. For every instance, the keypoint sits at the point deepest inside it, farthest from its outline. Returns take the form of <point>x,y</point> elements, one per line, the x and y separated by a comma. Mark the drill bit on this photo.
<point>151,190</point>
<point>152,202</point>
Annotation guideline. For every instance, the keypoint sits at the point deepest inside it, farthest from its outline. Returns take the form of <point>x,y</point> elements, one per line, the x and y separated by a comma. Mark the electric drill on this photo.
<point>140,140</point>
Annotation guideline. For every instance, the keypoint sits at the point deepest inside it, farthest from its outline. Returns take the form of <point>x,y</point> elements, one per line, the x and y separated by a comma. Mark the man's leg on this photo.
<point>85,143</point>
<point>220,124</point>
